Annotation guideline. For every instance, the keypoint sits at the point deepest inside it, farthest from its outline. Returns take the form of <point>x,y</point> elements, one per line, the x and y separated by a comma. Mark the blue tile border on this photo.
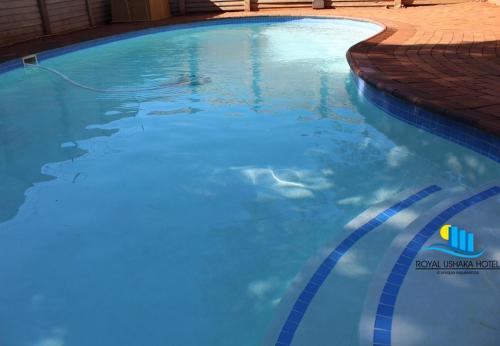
<point>10,65</point>
<point>475,139</point>
<point>382,328</point>
<point>305,298</point>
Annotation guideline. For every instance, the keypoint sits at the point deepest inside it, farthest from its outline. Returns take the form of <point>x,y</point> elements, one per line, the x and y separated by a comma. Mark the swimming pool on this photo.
<point>181,212</point>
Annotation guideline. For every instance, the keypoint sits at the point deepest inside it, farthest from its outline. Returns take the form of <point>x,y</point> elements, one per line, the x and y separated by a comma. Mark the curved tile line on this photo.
<point>450,129</point>
<point>305,298</point>
<point>385,310</point>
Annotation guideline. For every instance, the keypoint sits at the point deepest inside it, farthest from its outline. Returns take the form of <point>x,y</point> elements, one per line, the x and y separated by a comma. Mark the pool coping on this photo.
<point>391,88</point>
<point>12,64</point>
<point>450,129</point>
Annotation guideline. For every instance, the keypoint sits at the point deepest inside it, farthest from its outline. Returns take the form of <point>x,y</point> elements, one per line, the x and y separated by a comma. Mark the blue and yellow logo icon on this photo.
<point>460,243</point>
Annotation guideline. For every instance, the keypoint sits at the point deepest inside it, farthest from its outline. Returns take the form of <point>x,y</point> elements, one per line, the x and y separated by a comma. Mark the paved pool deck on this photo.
<point>444,57</point>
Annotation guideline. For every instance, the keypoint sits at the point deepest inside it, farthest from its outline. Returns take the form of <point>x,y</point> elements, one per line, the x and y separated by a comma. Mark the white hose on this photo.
<point>285,183</point>
<point>124,90</point>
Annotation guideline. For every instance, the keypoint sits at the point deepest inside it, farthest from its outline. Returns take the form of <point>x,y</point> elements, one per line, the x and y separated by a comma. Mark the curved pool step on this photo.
<point>406,306</point>
<point>324,304</point>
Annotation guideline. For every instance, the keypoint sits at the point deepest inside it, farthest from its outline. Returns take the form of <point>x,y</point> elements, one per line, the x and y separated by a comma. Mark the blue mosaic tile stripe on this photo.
<point>475,139</point>
<point>385,311</point>
<point>10,65</point>
<point>305,298</point>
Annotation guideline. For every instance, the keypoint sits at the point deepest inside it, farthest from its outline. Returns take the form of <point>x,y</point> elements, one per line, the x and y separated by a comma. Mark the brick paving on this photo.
<point>444,57</point>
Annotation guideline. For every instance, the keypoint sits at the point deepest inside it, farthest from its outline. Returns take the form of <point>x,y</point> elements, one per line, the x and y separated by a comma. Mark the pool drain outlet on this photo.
<point>30,60</point>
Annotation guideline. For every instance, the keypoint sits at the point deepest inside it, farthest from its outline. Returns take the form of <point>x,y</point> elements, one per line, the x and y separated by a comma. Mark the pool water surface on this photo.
<point>179,214</point>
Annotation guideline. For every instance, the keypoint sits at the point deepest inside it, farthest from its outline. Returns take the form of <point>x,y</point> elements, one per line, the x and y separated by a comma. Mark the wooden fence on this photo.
<point>25,19</point>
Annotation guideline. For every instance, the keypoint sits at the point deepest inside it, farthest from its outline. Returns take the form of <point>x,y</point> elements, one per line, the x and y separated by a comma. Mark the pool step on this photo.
<point>408,306</point>
<point>326,300</point>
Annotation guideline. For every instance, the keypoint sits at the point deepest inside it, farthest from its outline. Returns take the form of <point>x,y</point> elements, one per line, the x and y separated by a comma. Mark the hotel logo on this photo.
<point>460,243</point>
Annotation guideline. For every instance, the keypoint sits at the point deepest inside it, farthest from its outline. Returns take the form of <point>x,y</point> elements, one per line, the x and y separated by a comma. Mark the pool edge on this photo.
<point>456,130</point>
<point>12,64</point>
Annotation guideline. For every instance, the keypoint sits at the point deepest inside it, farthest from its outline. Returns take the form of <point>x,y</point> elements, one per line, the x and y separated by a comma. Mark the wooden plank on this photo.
<point>22,18</point>
<point>264,6</point>
<point>25,19</point>
<point>363,1</point>
<point>20,11</point>
<point>194,6</point>
<point>101,11</point>
<point>174,7</point>
<point>13,36</point>
<point>182,7</point>
<point>214,9</point>
<point>67,15</point>
<point>208,7</point>
<point>199,3</point>
<point>71,6</point>
<point>71,15</point>
<point>18,4</point>
<point>212,1</point>
<point>283,1</point>
<point>88,5</point>
<point>70,25</point>
<point>20,33</point>
<point>64,2</point>
<point>44,14</point>
<point>216,3</point>
<point>361,4</point>
<point>19,20</point>
<point>6,25</point>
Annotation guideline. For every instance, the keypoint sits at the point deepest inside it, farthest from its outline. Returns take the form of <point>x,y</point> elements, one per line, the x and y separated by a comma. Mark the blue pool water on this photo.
<point>180,213</point>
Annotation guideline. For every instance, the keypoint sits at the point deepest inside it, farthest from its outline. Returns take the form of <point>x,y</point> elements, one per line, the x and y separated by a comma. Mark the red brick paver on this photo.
<point>445,58</point>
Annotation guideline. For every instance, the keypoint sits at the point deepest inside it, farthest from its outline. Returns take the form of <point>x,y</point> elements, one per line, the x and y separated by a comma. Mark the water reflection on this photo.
<point>34,129</point>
